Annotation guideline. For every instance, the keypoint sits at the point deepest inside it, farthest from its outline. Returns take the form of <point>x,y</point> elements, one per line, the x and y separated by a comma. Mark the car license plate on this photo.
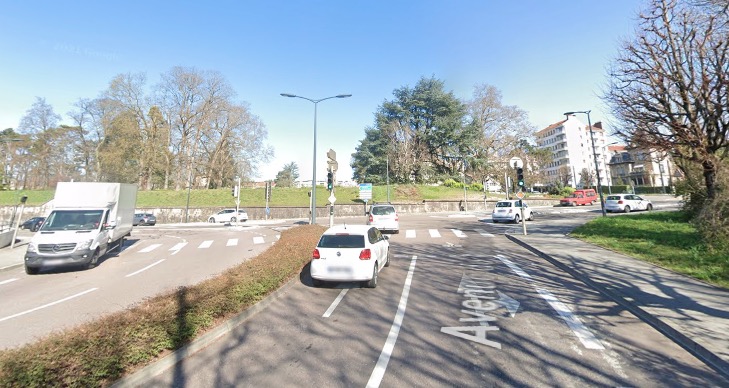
<point>339,270</point>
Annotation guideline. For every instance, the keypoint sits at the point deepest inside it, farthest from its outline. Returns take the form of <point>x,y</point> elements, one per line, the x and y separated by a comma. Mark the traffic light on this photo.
<point>520,177</point>
<point>330,180</point>
<point>235,191</point>
<point>269,188</point>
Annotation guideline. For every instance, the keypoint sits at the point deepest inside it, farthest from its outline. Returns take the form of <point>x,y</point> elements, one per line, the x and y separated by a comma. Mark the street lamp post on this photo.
<point>313,172</point>
<point>594,156</point>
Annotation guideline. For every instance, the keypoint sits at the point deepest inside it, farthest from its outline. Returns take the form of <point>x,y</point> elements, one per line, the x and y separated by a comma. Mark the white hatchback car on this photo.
<point>349,253</point>
<point>510,211</point>
<point>384,217</point>
<point>626,203</point>
<point>228,215</point>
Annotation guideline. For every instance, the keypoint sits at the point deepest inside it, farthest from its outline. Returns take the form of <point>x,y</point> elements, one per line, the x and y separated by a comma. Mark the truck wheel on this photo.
<point>119,246</point>
<point>94,260</point>
<point>31,270</point>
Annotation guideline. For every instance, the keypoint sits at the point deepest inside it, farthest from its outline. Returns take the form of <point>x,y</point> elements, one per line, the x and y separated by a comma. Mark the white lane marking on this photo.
<point>583,333</point>
<point>8,281</point>
<point>458,233</point>
<point>150,248</point>
<point>49,304</point>
<point>434,233</point>
<point>485,233</point>
<point>409,233</point>
<point>258,240</point>
<point>206,244</point>
<point>334,304</point>
<point>176,248</point>
<point>379,372</point>
<point>232,242</point>
<point>514,267</point>
<point>145,268</point>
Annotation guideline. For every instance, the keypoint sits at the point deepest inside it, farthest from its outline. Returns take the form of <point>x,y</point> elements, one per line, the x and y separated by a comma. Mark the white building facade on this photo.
<point>572,147</point>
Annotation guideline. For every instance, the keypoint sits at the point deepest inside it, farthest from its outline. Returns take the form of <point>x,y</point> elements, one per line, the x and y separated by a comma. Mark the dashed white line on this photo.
<point>8,281</point>
<point>581,331</point>
<point>49,304</point>
<point>145,268</point>
<point>150,248</point>
<point>514,267</point>
<point>379,372</point>
<point>334,304</point>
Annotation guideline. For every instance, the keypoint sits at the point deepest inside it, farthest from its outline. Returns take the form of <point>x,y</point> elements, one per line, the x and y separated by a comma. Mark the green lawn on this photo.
<point>663,238</point>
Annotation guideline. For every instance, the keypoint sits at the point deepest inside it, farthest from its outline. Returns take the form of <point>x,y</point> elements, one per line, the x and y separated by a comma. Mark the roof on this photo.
<point>347,228</point>
<point>553,126</point>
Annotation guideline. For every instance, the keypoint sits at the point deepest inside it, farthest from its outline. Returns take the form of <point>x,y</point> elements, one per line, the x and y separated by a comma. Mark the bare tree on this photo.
<point>669,86</point>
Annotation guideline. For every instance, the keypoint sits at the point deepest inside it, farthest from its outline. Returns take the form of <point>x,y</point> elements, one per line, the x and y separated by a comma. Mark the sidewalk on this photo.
<point>693,314</point>
<point>13,257</point>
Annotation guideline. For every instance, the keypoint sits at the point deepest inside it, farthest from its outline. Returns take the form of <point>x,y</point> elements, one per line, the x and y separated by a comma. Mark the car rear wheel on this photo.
<point>649,207</point>
<point>211,220</point>
<point>531,217</point>
<point>517,219</point>
<point>232,219</point>
<point>389,257</point>
<point>626,209</point>
<point>372,283</point>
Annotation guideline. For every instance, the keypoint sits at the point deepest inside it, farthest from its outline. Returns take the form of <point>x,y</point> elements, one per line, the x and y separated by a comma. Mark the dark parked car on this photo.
<point>33,224</point>
<point>144,219</point>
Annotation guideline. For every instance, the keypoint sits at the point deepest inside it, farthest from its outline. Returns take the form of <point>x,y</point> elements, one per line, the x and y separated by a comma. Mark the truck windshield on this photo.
<point>73,220</point>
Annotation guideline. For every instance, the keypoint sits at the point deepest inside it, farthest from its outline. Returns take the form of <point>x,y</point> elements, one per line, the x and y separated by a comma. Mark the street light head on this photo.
<point>343,95</point>
<point>288,95</point>
<point>569,113</point>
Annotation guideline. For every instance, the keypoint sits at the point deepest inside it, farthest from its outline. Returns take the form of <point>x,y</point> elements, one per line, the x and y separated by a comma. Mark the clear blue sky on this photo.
<point>546,56</point>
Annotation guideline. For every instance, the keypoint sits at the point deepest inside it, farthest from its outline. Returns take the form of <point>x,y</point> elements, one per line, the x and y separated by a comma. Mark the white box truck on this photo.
<point>88,220</point>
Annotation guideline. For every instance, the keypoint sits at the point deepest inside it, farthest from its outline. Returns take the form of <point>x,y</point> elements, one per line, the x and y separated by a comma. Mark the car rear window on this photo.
<point>341,241</point>
<point>383,210</point>
<point>503,204</point>
<point>613,198</point>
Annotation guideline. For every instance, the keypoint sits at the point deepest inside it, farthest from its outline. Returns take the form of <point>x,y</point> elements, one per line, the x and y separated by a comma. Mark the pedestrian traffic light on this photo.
<point>235,191</point>
<point>520,177</point>
<point>330,180</point>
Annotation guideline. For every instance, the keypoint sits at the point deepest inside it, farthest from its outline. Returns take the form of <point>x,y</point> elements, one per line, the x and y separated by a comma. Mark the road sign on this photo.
<point>332,160</point>
<point>332,198</point>
<point>520,194</point>
<point>516,162</point>
<point>365,191</point>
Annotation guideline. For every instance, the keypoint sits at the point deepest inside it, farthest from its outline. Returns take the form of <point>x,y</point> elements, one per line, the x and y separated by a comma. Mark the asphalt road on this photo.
<point>460,306</point>
<point>155,260</point>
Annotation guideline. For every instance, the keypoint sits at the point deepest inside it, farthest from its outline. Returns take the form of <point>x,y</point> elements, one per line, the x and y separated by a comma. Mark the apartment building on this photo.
<point>635,166</point>
<point>572,147</point>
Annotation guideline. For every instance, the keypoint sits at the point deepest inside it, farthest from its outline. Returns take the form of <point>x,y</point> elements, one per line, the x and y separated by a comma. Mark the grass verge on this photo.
<point>100,352</point>
<point>666,239</point>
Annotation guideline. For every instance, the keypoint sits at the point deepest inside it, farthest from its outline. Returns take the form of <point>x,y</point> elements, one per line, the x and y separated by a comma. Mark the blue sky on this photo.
<point>546,57</point>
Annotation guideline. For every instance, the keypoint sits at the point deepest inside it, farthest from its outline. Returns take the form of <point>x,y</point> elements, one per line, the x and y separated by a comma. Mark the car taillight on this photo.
<point>366,254</point>
<point>371,219</point>
<point>316,254</point>
<point>397,218</point>
<point>620,202</point>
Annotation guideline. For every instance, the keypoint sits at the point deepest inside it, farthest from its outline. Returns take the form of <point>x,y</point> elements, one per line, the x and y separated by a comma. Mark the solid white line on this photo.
<point>258,240</point>
<point>583,333</point>
<point>150,248</point>
<point>513,267</point>
<point>48,304</point>
<point>206,244</point>
<point>8,281</point>
<point>232,242</point>
<point>145,268</point>
<point>409,233</point>
<point>379,372</point>
<point>331,308</point>
<point>434,233</point>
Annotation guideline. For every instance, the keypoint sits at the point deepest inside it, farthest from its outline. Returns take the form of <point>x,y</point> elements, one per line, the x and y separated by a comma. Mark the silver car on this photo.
<point>510,211</point>
<point>384,217</point>
<point>228,215</point>
<point>626,203</point>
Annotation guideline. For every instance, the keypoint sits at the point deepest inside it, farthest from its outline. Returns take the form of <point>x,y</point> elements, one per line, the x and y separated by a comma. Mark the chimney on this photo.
<point>598,125</point>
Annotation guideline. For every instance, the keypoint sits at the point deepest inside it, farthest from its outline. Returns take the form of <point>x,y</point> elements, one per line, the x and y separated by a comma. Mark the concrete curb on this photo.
<point>698,351</point>
<point>140,377</point>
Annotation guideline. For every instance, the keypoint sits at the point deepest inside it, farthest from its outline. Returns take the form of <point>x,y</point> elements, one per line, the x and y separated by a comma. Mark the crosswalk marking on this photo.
<point>258,240</point>
<point>206,244</point>
<point>434,233</point>
<point>409,233</point>
<point>150,248</point>
<point>232,242</point>
<point>485,233</point>
<point>178,246</point>
<point>458,233</point>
